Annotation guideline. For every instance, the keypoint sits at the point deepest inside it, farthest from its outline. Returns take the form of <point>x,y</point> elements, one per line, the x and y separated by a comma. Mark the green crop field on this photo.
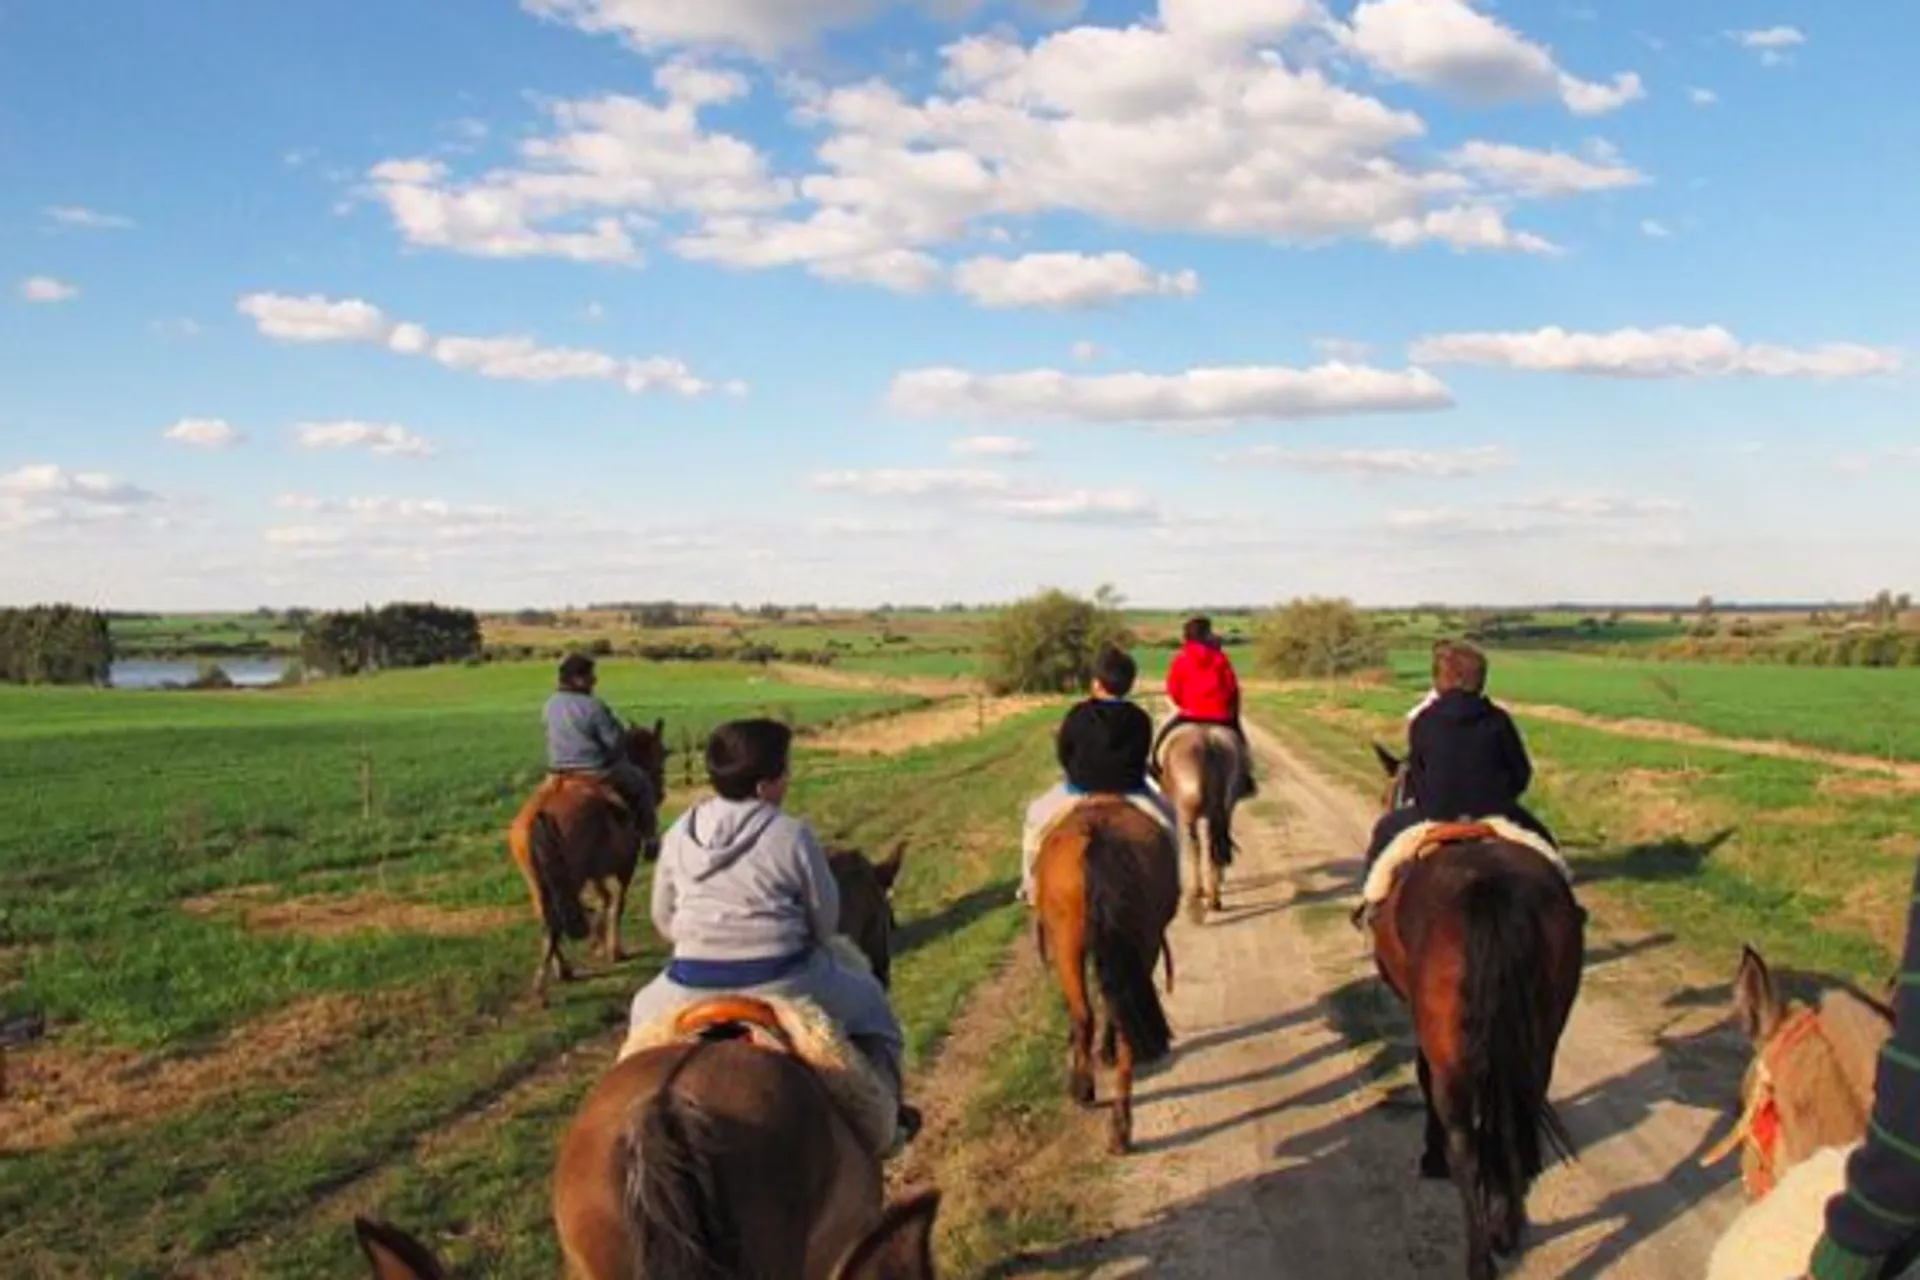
<point>284,956</point>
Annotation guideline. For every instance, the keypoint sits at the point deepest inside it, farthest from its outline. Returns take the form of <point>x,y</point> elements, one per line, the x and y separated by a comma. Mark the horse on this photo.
<point>574,832</point>
<point>1200,767</point>
<point>1481,938</point>
<point>899,1247</point>
<point>866,903</point>
<point>1805,1101</point>
<point>1106,887</point>
<point>733,1145</point>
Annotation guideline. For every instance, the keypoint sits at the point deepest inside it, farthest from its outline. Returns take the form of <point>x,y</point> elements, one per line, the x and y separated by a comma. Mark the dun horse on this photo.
<point>733,1146</point>
<point>1106,886</point>
<point>574,833</point>
<point>1483,941</point>
<point>1200,767</point>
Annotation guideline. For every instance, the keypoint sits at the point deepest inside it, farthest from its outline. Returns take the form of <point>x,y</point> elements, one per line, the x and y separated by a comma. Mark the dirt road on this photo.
<point>1282,1138</point>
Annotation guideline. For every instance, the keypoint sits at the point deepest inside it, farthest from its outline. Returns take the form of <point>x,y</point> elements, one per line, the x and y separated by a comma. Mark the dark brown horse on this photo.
<point>1483,941</point>
<point>575,833</point>
<point>1106,886</point>
<point>866,903</point>
<point>899,1247</point>
<point>723,1153</point>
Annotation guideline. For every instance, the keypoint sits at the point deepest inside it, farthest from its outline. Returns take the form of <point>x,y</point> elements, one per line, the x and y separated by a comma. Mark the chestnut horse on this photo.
<point>900,1247</point>
<point>1200,768</point>
<point>716,1157</point>
<point>1106,886</point>
<point>1484,943</point>
<point>574,832</point>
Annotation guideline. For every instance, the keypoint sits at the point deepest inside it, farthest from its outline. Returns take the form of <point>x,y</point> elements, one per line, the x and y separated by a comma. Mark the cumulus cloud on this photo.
<point>1371,463</point>
<point>518,358</point>
<point>1450,46</point>
<point>382,439</point>
<point>1062,281</point>
<point>1667,352</point>
<point>1198,396</point>
<point>47,289</point>
<point>73,215</point>
<point>1641,520</point>
<point>1771,43</point>
<point>205,433</point>
<point>1528,172</point>
<point>992,492</point>
<point>1702,97</point>
<point>46,495</point>
<point>994,447</point>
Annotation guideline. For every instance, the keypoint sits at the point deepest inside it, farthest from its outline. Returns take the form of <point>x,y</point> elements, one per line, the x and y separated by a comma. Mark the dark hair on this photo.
<point>1198,629</point>
<point>575,666</point>
<point>1441,648</point>
<point>1462,667</point>
<point>742,754</point>
<point>1115,669</point>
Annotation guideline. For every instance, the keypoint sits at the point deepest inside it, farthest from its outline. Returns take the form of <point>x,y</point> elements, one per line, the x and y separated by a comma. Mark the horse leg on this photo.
<point>1120,1132</point>
<point>614,911</point>
<point>1213,869</point>
<point>1110,1042</point>
<point>1466,1179</point>
<point>1196,867</point>
<point>1433,1161</point>
<point>1070,962</point>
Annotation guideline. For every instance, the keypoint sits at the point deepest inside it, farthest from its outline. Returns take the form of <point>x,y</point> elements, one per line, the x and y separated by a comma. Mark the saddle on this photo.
<point>1425,838</point>
<point>733,1018</point>
<point>587,782</point>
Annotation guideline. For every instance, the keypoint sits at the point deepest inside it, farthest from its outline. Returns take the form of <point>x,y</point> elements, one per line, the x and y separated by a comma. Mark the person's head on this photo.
<point>1199,630</point>
<point>577,673</point>
<point>748,759</point>
<point>1440,650</point>
<point>1114,671</point>
<point>1461,667</point>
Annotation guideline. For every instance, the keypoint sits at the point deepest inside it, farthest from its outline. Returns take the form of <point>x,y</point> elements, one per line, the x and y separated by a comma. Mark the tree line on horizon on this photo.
<point>55,644</point>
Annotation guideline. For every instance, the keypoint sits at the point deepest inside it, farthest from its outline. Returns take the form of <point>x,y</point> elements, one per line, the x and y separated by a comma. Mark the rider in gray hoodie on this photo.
<point>744,894</point>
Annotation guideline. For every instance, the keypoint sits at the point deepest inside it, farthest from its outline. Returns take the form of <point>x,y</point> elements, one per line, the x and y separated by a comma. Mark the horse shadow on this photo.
<point>1656,861</point>
<point>922,931</point>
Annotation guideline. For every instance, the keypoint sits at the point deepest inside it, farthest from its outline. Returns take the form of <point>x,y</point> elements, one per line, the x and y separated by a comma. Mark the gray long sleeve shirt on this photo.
<point>582,733</point>
<point>740,880</point>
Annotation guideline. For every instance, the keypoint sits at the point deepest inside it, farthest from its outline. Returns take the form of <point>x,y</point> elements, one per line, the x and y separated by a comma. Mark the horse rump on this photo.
<point>1122,952</point>
<point>1509,1018</point>
<point>559,896</point>
<point>675,1203</point>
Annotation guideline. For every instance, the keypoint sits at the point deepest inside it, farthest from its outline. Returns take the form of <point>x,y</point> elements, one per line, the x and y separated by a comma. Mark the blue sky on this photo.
<point>553,301</point>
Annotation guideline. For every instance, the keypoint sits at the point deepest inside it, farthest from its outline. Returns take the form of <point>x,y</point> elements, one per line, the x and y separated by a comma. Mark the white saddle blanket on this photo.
<point>1411,844</point>
<point>1774,1236</point>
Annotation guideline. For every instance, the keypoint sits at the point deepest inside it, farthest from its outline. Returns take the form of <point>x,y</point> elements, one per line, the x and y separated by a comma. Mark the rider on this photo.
<point>1465,758</point>
<point>1204,690</point>
<point>744,893</point>
<point>585,737</point>
<point>1103,745</point>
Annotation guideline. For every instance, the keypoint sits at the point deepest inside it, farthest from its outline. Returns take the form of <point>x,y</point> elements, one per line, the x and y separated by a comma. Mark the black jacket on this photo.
<point>1103,745</point>
<point>1467,759</point>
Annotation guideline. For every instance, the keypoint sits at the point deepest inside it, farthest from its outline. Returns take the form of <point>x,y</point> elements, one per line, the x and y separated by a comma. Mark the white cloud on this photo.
<point>1371,463</point>
<point>1621,521</point>
<point>993,493</point>
<point>1771,43</point>
<point>205,433</point>
<point>519,358</point>
<point>45,495</point>
<point>1702,97</point>
<point>1097,506</point>
<point>1668,352</point>
<point>47,289</point>
<point>760,27</point>
<point>1198,396</point>
<point>895,482</point>
<point>1463,227</point>
<point>1542,173</point>
<point>1062,281</point>
<point>1450,46</point>
<point>1655,229</point>
<point>994,447</point>
<point>386,440</point>
<point>73,215</point>
<point>1343,350</point>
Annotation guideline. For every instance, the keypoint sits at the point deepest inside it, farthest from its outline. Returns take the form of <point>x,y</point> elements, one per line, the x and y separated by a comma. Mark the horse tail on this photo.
<point>560,908</point>
<point>1121,961</point>
<point>675,1205</point>
<point>1220,775</point>
<point>1507,1044</point>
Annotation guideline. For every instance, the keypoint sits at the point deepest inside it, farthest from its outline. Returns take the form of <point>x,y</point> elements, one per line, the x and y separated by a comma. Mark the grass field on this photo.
<point>279,1010</point>
<point>192,634</point>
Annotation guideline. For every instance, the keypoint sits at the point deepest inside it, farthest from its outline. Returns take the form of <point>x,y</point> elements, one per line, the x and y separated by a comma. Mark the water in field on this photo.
<point>153,673</point>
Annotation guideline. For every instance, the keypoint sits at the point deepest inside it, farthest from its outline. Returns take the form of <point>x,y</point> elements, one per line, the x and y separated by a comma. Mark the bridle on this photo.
<point>1758,1128</point>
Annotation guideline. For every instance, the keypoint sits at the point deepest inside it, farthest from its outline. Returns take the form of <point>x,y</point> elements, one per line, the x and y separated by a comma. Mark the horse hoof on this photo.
<point>1434,1166</point>
<point>1083,1092</point>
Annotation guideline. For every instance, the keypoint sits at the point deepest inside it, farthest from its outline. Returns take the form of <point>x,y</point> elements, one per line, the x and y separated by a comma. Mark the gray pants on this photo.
<point>853,999</point>
<point>1056,801</point>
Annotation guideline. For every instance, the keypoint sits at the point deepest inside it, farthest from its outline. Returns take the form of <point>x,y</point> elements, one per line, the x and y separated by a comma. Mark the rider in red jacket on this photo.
<point>1204,690</point>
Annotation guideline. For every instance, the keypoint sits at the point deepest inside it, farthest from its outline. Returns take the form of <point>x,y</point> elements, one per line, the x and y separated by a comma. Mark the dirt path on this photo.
<point>1902,774</point>
<point>907,730</point>
<point>1282,1138</point>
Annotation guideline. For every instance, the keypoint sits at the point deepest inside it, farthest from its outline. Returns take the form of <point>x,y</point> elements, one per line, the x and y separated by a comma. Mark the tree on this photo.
<point>399,635</point>
<point>1046,643</point>
<point>1317,638</point>
<point>55,644</point>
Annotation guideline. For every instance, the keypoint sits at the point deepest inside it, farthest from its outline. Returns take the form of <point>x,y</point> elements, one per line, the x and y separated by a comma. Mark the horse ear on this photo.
<point>660,728</point>
<point>1756,1004</point>
<point>394,1254</point>
<point>889,871</point>
<point>900,1246</point>
<point>1389,762</point>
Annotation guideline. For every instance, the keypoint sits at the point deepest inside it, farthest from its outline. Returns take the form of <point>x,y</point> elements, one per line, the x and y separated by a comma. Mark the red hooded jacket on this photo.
<point>1202,684</point>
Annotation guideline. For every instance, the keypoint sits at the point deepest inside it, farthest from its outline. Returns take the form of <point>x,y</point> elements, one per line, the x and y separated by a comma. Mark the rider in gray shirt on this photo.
<point>584,736</point>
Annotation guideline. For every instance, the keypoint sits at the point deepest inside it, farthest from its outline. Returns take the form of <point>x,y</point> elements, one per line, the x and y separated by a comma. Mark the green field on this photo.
<point>395,1065</point>
<point>203,635</point>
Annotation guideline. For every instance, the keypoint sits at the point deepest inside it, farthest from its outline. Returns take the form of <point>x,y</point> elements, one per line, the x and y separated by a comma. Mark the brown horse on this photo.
<point>899,1247</point>
<point>717,1155</point>
<point>1106,886</point>
<point>574,833</point>
<point>1200,767</point>
<point>1483,941</point>
<point>866,903</point>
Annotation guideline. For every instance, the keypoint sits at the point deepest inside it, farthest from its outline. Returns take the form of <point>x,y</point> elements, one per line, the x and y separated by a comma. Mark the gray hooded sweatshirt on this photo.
<point>741,880</point>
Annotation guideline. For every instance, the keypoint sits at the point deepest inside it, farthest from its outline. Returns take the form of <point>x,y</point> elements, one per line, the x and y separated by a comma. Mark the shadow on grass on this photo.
<point>926,930</point>
<point>1675,858</point>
